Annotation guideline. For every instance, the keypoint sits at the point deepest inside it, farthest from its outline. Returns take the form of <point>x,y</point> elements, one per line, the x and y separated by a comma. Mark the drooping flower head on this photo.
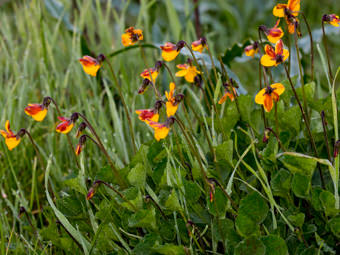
<point>274,57</point>
<point>170,51</point>
<point>80,145</point>
<point>228,93</point>
<point>173,100</point>
<point>147,115</point>
<point>12,140</point>
<point>199,45</point>
<point>81,129</point>
<point>91,65</point>
<point>144,86</point>
<point>38,111</point>
<point>269,94</point>
<point>289,11</point>
<point>146,74</point>
<point>188,71</point>
<point>252,49</point>
<point>332,19</point>
<point>273,34</point>
<point>162,129</point>
<point>131,36</point>
<point>66,124</point>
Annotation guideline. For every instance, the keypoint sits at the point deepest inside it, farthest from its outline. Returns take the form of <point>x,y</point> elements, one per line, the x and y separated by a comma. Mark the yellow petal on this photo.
<point>12,142</point>
<point>190,76</point>
<point>126,39</point>
<point>169,55</point>
<point>40,116</point>
<point>171,109</point>
<point>161,133</point>
<point>285,54</point>
<point>199,48</point>
<point>279,88</point>
<point>268,103</point>
<point>91,70</point>
<point>278,10</point>
<point>267,61</point>
<point>4,133</point>
<point>294,6</point>
<point>223,98</point>
<point>181,73</point>
<point>259,98</point>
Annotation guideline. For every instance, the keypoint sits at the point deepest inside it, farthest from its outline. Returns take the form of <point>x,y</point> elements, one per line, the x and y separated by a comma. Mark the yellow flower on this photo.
<point>273,34</point>
<point>36,111</point>
<point>11,139</point>
<point>188,71</point>
<point>90,65</point>
<point>274,57</point>
<point>289,11</point>
<point>162,129</point>
<point>332,19</point>
<point>131,36</point>
<point>146,74</point>
<point>170,51</point>
<point>147,115</point>
<point>173,100</point>
<point>252,49</point>
<point>199,45</point>
<point>266,96</point>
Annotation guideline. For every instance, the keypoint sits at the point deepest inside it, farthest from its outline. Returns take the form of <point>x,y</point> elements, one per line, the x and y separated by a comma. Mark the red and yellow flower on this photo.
<point>274,57</point>
<point>65,126</point>
<point>269,94</point>
<point>188,71</point>
<point>273,34</point>
<point>170,51</point>
<point>199,45</point>
<point>80,145</point>
<point>146,74</point>
<point>332,19</point>
<point>227,94</point>
<point>90,65</point>
<point>289,11</point>
<point>173,100</point>
<point>131,36</point>
<point>162,129</point>
<point>12,140</point>
<point>252,49</point>
<point>147,115</point>
<point>36,111</point>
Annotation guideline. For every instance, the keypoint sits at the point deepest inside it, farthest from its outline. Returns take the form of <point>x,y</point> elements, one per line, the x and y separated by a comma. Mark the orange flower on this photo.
<point>189,72</point>
<point>80,144</point>
<point>281,10</point>
<point>273,34</point>
<point>227,94</point>
<point>162,129</point>
<point>131,36</point>
<point>11,139</point>
<point>147,115</point>
<point>199,45</point>
<point>79,148</point>
<point>146,74</point>
<point>173,101</point>
<point>90,65</point>
<point>170,51</point>
<point>289,11</point>
<point>66,124</point>
<point>36,111</point>
<point>274,57</point>
<point>332,19</point>
<point>266,96</point>
<point>252,49</point>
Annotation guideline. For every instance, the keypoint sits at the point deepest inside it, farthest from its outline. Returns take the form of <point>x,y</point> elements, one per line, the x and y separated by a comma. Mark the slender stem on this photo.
<point>125,106</point>
<point>67,135</point>
<point>212,63</point>
<point>277,138</point>
<point>210,86</point>
<point>324,126</point>
<point>197,19</point>
<point>94,141</point>
<point>276,120</point>
<point>149,198</point>
<point>36,149</point>
<point>306,122</point>
<point>327,53</point>
<point>262,108</point>
<point>301,74</point>
<point>117,192</point>
<point>101,146</point>
<point>169,71</point>
<point>311,45</point>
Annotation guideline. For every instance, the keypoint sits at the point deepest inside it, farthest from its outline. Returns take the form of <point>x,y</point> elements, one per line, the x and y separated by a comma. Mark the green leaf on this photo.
<point>246,105</point>
<point>192,191</point>
<point>281,182</point>
<point>297,219</point>
<point>69,206</point>
<point>143,219</point>
<point>174,22</point>
<point>172,202</point>
<point>335,226</point>
<point>309,92</point>
<point>275,245</point>
<point>169,249</point>
<point>245,225</point>
<point>235,51</point>
<point>137,176</point>
<point>224,151</point>
<point>301,185</point>
<point>254,206</point>
<point>76,184</point>
<point>105,174</point>
<point>316,203</point>
<point>291,119</point>
<point>328,203</point>
<point>250,246</point>
<point>144,247</point>
<point>298,164</point>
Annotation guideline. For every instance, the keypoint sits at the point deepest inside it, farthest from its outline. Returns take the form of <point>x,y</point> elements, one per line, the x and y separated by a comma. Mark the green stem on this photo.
<point>125,106</point>
<point>276,121</point>
<point>327,53</point>
<point>169,71</point>
<point>311,45</point>
<point>35,148</point>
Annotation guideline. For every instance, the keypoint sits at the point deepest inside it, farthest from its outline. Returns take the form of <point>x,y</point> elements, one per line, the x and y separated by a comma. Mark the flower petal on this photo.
<point>259,98</point>
<point>267,61</point>
<point>279,88</point>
